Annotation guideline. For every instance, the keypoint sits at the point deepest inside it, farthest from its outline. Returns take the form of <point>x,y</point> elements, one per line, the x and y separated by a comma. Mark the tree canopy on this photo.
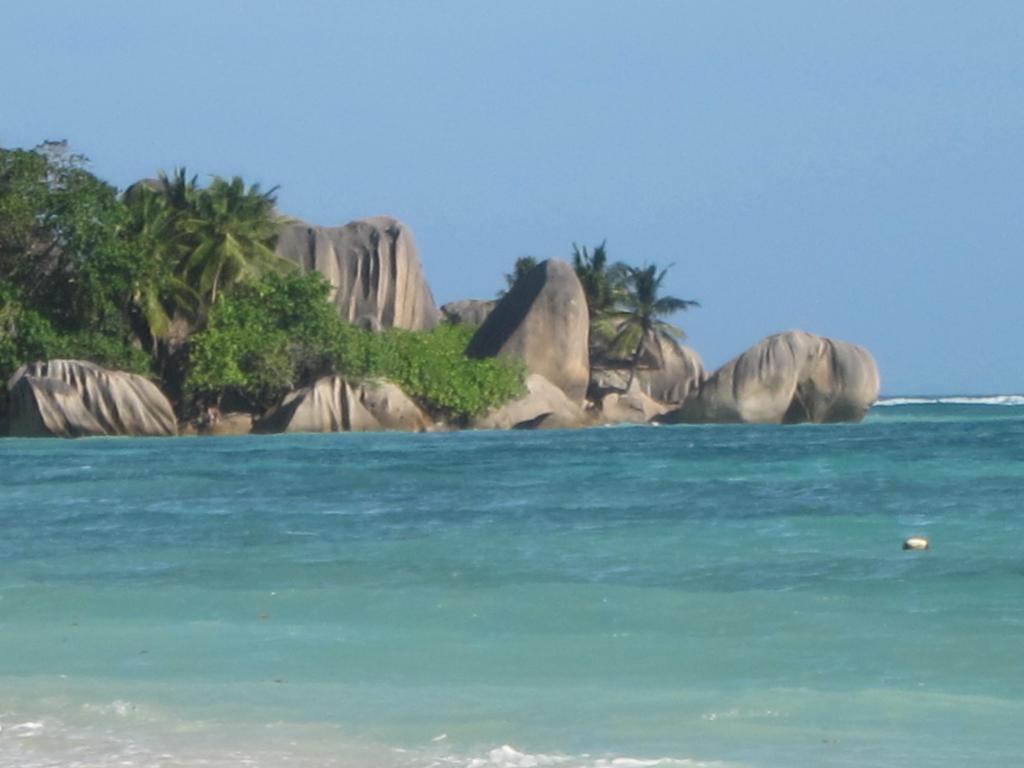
<point>120,279</point>
<point>66,268</point>
<point>602,282</point>
<point>280,333</point>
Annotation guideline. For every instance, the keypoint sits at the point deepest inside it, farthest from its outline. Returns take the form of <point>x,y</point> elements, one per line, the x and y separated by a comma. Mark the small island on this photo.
<point>174,308</point>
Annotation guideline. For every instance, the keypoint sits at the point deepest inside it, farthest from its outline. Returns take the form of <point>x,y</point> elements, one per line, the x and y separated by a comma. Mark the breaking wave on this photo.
<point>955,400</point>
<point>509,757</point>
<point>155,742</point>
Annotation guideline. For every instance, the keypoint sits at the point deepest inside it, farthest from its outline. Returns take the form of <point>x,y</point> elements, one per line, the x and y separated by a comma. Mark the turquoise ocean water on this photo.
<point>626,597</point>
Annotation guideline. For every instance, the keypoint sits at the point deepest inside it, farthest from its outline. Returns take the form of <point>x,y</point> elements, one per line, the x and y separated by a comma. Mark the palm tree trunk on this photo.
<point>635,361</point>
<point>213,289</point>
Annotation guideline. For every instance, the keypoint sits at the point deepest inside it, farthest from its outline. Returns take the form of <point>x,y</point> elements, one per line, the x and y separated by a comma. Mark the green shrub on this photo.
<point>281,333</point>
<point>432,368</point>
<point>108,351</point>
<point>65,270</point>
<point>262,340</point>
<point>26,336</point>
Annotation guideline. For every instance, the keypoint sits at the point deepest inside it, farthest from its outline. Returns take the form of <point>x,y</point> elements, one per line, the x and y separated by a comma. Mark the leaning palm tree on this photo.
<point>637,322</point>
<point>233,231</point>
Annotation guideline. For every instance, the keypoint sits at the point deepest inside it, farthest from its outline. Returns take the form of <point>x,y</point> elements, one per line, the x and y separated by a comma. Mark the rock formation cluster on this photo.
<point>377,281</point>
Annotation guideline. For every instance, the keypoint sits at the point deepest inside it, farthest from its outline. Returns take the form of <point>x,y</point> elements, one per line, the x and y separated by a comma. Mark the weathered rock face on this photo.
<point>670,376</point>
<point>373,266</point>
<point>788,378</point>
<point>328,405</point>
<point>332,404</point>
<point>543,406</point>
<point>391,407</point>
<point>73,398</point>
<point>630,407</point>
<point>468,311</point>
<point>542,321</point>
<point>678,376</point>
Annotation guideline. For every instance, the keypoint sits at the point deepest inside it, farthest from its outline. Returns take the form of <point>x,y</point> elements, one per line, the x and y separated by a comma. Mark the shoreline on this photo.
<point>886,403</point>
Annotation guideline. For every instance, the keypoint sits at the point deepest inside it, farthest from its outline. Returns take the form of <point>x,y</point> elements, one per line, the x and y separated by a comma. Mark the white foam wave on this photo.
<point>955,400</point>
<point>104,737</point>
<point>23,730</point>
<point>507,756</point>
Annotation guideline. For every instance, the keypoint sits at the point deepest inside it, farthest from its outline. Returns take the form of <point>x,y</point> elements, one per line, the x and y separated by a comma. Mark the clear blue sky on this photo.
<point>855,169</point>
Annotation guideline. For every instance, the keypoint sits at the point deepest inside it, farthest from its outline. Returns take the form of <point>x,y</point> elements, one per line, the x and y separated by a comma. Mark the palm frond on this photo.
<point>668,330</point>
<point>668,305</point>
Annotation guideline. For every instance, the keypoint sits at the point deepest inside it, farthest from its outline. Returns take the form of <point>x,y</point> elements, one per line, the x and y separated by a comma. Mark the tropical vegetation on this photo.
<point>272,336</point>
<point>180,282</point>
<point>636,322</point>
<point>602,282</point>
<point>626,308</point>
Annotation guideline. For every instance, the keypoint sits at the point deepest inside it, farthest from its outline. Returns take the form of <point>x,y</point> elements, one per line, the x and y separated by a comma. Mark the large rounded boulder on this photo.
<point>632,406</point>
<point>333,404</point>
<point>543,406</point>
<point>788,378</point>
<point>542,321</point>
<point>328,405</point>
<point>391,407</point>
<point>74,398</point>
<point>674,376</point>
<point>373,267</point>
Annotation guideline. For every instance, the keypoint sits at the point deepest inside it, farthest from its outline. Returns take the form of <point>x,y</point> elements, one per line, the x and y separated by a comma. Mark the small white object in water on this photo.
<point>916,542</point>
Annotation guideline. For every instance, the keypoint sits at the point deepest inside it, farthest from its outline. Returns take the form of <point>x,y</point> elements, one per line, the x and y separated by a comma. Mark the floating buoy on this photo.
<point>916,542</point>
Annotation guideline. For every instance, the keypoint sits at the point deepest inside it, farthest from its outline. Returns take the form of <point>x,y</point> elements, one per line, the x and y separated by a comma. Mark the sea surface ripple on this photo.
<point>623,597</point>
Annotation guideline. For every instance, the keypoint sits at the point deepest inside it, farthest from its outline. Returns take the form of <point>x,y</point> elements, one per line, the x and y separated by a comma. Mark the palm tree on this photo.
<point>179,191</point>
<point>636,322</point>
<point>234,232</point>
<point>601,284</point>
<point>157,291</point>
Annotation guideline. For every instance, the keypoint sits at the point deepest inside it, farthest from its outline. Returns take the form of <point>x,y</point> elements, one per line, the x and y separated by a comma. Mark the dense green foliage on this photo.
<point>198,241</point>
<point>181,282</point>
<point>231,234</point>
<point>266,338</point>
<point>24,333</point>
<point>66,269</point>
<point>432,368</point>
<point>88,274</point>
<point>27,335</point>
<point>602,283</point>
<point>133,282</point>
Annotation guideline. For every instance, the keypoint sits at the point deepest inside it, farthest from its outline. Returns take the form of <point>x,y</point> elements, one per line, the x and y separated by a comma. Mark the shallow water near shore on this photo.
<point>672,596</point>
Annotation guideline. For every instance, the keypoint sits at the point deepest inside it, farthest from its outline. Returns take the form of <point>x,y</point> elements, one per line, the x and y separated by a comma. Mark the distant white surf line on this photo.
<point>509,757</point>
<point>956,400</point>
